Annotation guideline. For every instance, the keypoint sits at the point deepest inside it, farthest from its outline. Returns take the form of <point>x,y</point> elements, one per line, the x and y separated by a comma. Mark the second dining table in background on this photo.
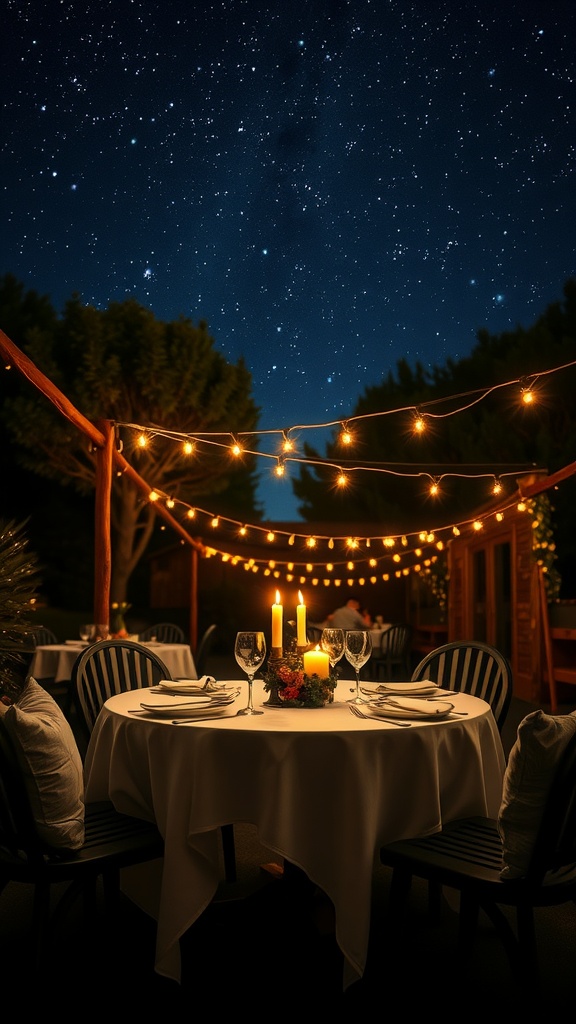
<point>55,661</point>
<point>324,789</point>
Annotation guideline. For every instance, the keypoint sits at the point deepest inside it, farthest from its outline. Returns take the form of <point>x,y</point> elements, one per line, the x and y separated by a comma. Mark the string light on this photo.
<point>346,437</point>
<point>287,443</point>
<point>418,425</point>
<point>460,403</point>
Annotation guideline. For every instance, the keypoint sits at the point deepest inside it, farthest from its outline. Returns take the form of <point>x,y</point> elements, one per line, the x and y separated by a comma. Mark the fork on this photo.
<point>391,721</point>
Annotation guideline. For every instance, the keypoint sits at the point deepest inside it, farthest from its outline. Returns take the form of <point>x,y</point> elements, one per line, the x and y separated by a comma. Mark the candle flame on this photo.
<point>277,597</point>
<point>300,598</point>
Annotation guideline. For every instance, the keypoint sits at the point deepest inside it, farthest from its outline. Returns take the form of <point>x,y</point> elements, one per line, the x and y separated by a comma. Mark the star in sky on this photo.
<point>331,188</point>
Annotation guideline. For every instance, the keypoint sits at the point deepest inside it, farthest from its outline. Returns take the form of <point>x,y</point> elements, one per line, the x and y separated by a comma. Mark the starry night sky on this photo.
<point>331,186</point>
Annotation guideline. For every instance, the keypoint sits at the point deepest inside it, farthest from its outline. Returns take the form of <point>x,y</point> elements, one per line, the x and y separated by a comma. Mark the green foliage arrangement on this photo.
<point>543,544</point>
<point>296,689</point>
<point>19,580</point>
<point>436,577</point>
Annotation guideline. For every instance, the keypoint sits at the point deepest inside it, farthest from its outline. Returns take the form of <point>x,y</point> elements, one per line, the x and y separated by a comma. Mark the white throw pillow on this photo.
<point>51,766</point>
<point>541,739</point>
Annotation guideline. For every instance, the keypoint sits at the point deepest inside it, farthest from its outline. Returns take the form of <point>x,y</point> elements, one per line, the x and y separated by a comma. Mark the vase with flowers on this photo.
<point>117,620</point>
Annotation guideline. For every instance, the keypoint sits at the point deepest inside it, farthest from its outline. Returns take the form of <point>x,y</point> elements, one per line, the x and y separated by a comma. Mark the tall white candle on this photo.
<point>277,622</point>
<point>301,637</point>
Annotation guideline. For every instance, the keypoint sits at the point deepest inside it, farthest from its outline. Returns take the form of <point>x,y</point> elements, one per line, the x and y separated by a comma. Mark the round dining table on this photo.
<point>55,661</point>
<point>324,788</point>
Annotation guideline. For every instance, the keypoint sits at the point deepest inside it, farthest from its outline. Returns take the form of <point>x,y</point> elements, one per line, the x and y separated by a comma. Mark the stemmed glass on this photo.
<point>86,631</point>
<point>250,651</point>
<point>357,648</point>
<point>332,642</point>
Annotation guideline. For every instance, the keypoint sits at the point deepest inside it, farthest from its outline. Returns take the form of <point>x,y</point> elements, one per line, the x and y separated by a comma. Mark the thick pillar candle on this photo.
<point>277,622</point>
<point>301,638</point>
<point>316,663</point>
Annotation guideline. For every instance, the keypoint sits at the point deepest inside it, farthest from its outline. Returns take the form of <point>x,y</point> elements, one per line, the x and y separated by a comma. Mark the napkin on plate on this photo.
<point>424,686</point>
<point>203,686</point>
<point>193,702</point>
<point>419,707</point>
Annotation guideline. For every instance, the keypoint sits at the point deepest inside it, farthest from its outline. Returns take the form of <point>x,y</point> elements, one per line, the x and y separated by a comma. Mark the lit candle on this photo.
<point>277,623</point>
<point>302,638</point>
<point>316,662</point>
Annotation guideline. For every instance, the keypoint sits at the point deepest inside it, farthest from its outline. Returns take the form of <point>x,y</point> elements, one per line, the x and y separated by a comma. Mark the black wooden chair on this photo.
<point>471,666</point>
<point>61,690</point>
<point>204,648</point>
<point>467,855</point>
<point>164,633</point>
<point>115,666</point>
<point>393,659</point>
<point>314,634</point>
<point>108,667</point>
<point>41,635</point>
<point>112,841</point>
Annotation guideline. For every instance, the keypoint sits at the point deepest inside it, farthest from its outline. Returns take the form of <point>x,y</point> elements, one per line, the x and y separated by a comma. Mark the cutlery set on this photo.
<point>356,710</point>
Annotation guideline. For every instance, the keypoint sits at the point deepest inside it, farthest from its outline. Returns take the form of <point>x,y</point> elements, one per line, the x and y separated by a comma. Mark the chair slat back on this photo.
<point>42,635</point>
<point>165,633</point>
<point>109,667</point>
<point>395,651</point>
<point>204,648</point>
<point>471,667</point>
<point>396,641</point>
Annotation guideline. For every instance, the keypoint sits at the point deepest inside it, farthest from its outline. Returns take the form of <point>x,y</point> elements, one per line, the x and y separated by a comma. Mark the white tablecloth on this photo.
<point>55,661</point>
<point>324,789</point>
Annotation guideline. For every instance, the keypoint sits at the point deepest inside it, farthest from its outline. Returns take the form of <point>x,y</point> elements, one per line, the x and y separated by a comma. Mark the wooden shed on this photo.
<point>496,594</point>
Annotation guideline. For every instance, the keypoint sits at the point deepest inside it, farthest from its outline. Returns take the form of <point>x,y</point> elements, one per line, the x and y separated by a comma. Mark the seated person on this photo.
<point>349,616</point>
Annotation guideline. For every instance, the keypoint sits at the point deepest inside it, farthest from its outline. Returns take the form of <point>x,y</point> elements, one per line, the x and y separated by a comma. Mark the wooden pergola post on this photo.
<point>102,533</point>
<point>194,598</point>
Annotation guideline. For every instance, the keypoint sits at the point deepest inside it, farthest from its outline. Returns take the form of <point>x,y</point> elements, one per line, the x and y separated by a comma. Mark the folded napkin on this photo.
<point>425,686</point>
<point>202,686</point>
<point>419,707</point>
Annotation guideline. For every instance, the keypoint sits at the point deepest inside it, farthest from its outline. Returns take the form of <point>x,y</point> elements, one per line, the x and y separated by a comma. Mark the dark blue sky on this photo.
<point>332,186</point>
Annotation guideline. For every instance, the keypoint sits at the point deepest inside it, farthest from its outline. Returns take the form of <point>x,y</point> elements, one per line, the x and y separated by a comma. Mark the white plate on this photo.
<point>76,643</point>
<point>435,709</point>
<point>423,687</point>
<point>168,703</point>
<point>181,711</point>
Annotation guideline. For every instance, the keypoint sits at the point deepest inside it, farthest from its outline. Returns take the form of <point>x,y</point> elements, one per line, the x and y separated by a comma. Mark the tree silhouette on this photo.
<point>124,365</point>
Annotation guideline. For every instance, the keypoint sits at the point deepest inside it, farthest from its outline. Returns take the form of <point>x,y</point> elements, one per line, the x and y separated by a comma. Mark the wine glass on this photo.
<point>250,651</point>
<point>85,631</point>
<point>332,642</point>
<point>357,648</point>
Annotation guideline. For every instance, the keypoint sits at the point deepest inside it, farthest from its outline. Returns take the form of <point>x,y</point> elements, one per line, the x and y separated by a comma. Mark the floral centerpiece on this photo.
<point>289,686</point>
<point>117,621</point>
